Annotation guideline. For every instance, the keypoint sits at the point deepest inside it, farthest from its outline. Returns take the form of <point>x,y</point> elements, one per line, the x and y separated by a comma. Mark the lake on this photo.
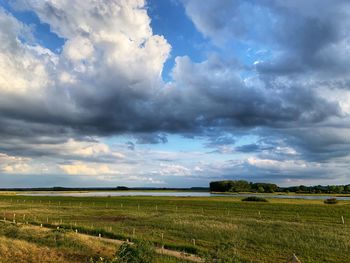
<point>175,193</point>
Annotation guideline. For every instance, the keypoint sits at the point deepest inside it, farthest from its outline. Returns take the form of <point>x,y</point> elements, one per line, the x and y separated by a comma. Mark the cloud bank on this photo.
<point>290,92</point>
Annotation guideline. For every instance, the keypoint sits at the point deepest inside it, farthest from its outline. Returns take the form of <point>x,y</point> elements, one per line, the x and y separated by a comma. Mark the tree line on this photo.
<point>242,186</point>
<point>245,186</point>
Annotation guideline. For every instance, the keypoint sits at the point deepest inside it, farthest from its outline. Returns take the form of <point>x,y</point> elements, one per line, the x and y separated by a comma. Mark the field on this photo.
<point>252,231</point>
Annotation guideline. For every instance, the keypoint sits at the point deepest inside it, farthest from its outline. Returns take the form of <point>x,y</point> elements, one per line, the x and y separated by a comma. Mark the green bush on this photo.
<point>222,253</point>
<point>140,252</point>
<point>11,231</point>
<point>331,201</point>
<point>254,199</point>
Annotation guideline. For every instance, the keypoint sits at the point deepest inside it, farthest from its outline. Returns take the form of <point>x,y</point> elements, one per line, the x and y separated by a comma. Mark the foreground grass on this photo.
<point>26,243</point>
<point>29,244</point>
<point>257,232</point>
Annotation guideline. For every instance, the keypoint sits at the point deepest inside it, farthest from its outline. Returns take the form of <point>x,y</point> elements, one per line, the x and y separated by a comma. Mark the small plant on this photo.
<point>222,253</point>
<point>331,201</point>
<point>99,260</point>
<point>140,252</point>
<point>254,199</point>
<point>11,231</point>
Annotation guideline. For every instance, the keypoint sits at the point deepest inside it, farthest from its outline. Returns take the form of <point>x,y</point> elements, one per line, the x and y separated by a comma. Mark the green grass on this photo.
<point>258,232</point>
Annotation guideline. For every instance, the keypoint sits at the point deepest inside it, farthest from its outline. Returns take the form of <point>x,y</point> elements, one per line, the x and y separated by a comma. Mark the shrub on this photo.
<point>222,253</point>
<point>331,201</point>
<point>140,252</point>
<point>254,199</point>
<point>11,231</point>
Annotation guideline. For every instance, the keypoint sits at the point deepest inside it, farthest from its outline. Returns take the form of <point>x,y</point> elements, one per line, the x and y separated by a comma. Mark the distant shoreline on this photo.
<point>157,190</point>
<point>97,189</point>
<point>282,193</point>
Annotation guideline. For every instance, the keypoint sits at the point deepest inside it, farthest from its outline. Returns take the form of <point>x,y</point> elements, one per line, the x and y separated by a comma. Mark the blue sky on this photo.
<point>168,18</point>
<point>173,93</point>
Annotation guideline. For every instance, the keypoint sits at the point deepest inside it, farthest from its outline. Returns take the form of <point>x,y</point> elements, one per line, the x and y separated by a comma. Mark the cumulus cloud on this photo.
<point>111,63</point>
<point>13,164</point>
<point>303,65</point>
<point>84,169</point>
<point>298,37</point>
<point>106,80</point>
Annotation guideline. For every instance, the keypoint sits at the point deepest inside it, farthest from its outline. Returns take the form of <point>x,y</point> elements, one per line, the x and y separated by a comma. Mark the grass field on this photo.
<point>255,232</point>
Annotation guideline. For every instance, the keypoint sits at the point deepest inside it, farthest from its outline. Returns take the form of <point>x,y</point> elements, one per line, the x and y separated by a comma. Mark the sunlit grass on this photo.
<point>260,232</point>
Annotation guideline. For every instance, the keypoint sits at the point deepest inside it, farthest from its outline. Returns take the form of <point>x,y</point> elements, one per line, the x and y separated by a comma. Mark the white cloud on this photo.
<point>78,48</point>
<point>80,168</point>
<point>174,170</point>
<point>23,68</point>
<point>13,164</point>
<point>105,36</point>
<point>278,165</point>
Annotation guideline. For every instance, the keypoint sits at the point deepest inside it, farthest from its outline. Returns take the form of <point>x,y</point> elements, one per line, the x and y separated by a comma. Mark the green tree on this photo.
<point>261,189</point>
<point>347,188</point>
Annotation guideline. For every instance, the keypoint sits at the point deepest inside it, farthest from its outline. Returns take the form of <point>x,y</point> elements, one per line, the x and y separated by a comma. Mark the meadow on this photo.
<point>246,231</point>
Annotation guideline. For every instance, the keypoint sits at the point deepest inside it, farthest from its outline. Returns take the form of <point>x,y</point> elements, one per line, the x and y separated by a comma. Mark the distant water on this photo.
<point>176,193</point>
<point>123,193</point>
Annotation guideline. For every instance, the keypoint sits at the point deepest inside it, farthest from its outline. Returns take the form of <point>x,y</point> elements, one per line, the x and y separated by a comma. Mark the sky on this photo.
<point>174,93</point>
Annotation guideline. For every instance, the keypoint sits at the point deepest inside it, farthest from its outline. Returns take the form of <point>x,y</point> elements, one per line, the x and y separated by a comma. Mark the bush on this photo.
<point>222,253</point>
<point>140,252</point>
<point>11,231</point>
<point>254,199</point>
<point>331,201</point>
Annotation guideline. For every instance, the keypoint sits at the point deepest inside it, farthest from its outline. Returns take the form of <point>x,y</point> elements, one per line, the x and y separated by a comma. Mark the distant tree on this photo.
<point>347,188</point>
<point>240,186</point>
<point>302,188</point>
<point>264,187</point>
<point>244,186</point>
<point>270,188</point>
<point>261,189</point>
<point>230,186</point>
<point>221,186</point>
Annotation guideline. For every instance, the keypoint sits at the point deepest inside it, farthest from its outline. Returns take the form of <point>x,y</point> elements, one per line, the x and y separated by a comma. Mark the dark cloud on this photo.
<point>130,145</point>
<point>203,95</point>
<point>302,38</point>
<point>151,138</point>
<point>248,148</point>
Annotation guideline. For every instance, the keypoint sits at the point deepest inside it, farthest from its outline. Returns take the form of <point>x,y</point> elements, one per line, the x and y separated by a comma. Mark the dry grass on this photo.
<point>34,244</point>
<point>18,251</point>
<point>27,243</point>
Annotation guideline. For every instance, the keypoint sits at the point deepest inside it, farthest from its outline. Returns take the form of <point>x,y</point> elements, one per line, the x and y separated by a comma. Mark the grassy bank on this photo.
<point>257,232</point>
